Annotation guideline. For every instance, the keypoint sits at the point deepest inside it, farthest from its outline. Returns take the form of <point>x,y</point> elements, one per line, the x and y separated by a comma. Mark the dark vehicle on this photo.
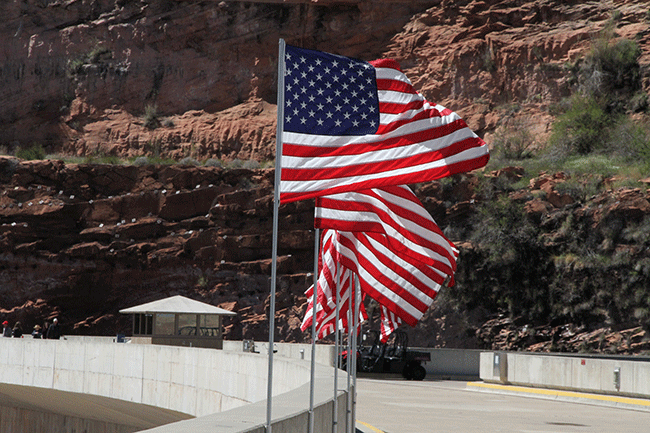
<point>373,356</point>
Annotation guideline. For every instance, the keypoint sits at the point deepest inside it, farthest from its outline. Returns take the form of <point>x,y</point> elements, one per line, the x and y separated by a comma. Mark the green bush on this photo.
<point>36,151</point>
<point>513,142</point>
<point>614,66</point>
<point>141,161</point>
<point>582,128</point>
<point>150,116</point>
<point>189,161</point>
<point>213,163</point>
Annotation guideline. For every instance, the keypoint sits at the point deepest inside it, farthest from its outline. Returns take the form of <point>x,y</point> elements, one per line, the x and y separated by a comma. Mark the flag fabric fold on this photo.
<point>388,324</point>
<point>351,125</point>
<point>325,296</point>
<point>404,286</point>
<point>397,213</point>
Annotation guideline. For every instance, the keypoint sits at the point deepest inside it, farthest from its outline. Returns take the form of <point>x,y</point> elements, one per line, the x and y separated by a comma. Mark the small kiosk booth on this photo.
<point>178,321</point>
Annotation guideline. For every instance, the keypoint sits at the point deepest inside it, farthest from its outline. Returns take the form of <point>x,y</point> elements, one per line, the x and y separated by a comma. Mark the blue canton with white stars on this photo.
<point>326,94</point>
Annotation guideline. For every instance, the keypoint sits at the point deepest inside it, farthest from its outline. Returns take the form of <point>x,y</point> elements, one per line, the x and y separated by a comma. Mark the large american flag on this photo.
<point>332,277</point>
<point>352,125</point>
<point>405,286</point>
<point>397,213</point>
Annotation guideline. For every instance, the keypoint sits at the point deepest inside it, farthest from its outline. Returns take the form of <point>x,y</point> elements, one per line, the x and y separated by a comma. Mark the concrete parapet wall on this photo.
<point>617,376</point>
<point>118,387</point>
<point>188,380</point>
<point>324,352</point>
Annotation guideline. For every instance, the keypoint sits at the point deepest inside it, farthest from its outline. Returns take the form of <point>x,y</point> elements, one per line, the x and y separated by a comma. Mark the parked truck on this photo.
<point>373,356</point>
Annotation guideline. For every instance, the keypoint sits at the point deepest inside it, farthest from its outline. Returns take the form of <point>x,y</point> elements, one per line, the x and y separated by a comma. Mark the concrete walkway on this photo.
<point>399,406</point>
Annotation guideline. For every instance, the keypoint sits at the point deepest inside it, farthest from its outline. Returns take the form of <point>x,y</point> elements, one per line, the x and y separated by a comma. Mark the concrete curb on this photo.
<point>362,427</point>
<point>572,396</point>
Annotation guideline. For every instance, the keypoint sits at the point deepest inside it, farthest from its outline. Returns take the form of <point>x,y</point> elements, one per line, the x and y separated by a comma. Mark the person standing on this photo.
<point>54,332</point>
<point>6,330</point>
<point>36,333</point>
<point>17,332</point>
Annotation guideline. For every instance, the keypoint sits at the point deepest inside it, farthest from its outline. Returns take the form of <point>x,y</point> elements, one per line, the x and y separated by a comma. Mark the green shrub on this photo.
<point>582,128</point>
<point>36,151</point>
<point>141,161</point>
<point>150,116</point>
<point>189,161</point>
<point>513,142</point>
<point>251,164</point>
<point>213,163</point>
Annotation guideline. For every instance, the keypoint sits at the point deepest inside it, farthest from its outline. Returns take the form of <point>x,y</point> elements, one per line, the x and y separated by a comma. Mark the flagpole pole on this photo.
<point>357,305</point>
<point>335,415</point>
<point>313,333</point>
<point>348,399</point>
<point>276,211</point>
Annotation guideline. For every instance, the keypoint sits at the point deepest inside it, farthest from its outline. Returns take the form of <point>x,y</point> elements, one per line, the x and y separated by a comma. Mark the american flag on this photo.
<point>389,323</point>
<point>404,286</point>
<point>327,283</point>
<point>396,212</point>
<point>352,125</point>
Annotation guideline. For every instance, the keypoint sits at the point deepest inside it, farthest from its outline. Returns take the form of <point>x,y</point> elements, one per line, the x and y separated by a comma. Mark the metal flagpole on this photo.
<point>335,415</point>
<point>348,399</point>
<point>357,305</point>
<point>313,333</point>
<point>276,211</point>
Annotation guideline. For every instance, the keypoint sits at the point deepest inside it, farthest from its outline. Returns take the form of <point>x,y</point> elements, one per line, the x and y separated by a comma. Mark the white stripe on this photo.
<point>385,291</point>
<point>319,185</point>
<point>391,208</point>
<point>387,118</point>
<point>353,216</point>
<point>389,154</point>
<point>415,126</point>
<point>409,287</point>
<point>391,74</point>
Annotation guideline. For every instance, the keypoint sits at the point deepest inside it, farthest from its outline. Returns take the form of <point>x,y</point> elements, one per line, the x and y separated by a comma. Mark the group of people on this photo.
<point>52,332</point>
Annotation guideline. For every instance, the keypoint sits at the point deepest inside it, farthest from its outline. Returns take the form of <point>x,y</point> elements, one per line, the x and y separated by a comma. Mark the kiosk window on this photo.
<point>165,323</point>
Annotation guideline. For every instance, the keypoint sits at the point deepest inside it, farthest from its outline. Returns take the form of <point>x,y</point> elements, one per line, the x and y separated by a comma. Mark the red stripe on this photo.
<point>423,115</point>
<point>403,179</point>
<point>396,108</point>
<point>387,84</point>
<point>369,226</point>
<point>310,174</point>
<point>370,265</point>
<point>434,132</point>
<point>376,295</point>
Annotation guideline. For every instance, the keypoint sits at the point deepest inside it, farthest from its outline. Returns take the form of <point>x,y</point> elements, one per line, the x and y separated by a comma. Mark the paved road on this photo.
<point>399,406</point>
